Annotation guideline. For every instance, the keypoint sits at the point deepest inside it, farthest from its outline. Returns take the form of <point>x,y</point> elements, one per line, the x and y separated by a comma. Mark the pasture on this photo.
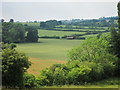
<point>47,52</point>
<point>56,33</point>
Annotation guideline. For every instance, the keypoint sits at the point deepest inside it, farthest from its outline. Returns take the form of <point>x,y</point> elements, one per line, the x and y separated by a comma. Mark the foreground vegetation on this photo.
<point>85,66</point>
<point>107,83</point>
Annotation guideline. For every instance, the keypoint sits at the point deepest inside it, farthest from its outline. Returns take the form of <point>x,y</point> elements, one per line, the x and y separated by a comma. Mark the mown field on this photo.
<point>47,52</point>
<point>56,33</point>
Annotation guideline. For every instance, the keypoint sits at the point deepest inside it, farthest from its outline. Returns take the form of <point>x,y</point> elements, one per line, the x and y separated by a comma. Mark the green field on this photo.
<point>56,33</point>
<point>48,48</point>
<point>84,29</point>
<point>47,52</point>
<point>92,35</point>
<point>29,24</point>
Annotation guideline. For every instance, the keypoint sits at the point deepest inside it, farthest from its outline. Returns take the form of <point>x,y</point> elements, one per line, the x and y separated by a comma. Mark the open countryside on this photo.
<point>76,53</point>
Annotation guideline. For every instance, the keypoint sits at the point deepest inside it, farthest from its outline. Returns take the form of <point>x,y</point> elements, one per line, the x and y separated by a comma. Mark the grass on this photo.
<point>83,86</point>
<point>47,52</point>
<point>56,33</point>
<point>113,82</point>
<point>83,29</point>
<point>48,48</point>
<point>30,24</point>
<point>92,35</point>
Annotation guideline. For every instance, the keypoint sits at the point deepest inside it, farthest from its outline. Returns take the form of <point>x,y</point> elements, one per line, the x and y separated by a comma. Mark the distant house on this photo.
<point>70,37</point>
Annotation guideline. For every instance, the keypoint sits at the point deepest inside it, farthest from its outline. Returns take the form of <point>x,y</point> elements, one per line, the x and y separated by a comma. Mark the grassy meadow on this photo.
<point>56,33</point>
<point>47,52</point>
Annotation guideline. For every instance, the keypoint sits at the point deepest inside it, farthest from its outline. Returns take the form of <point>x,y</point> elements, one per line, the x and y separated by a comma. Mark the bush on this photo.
<point>14,64</point>
<point>59,77</point>
<point>92,49</point>
<point>45,77</point>
<point>97,71</point>
<point>30,80</point>
<point>78,75</point>
<point>90,72</point>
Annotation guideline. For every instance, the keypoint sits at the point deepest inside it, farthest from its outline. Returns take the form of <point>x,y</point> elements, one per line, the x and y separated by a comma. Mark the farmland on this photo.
<point>56,33</point>
<point>47,52</point>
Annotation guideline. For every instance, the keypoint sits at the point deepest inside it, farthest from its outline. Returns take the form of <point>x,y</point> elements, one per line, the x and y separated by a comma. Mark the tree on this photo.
<point>115,37</point>
<point>50,24</point>
<point>12,32</point>
<point>5,31</point>
<point>12,20</point>
<point>92,50</point>
<point>14,64</point>
<point>2,20</point>
<point>32,34</point>
<point>118,6</point>
<point>114,42</point>
<point>42,24</point>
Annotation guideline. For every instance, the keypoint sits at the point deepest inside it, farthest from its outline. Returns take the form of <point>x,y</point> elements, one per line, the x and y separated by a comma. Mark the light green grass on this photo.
<point>47,52</point>
<point>92,35</point>
<point>56,33</point>
<point>48,48</point>
<point>85,29</point>
<point>30,24</point>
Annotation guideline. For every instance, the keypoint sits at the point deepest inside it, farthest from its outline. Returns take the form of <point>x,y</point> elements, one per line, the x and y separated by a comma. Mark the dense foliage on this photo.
<point>115,41</point>
<point>16,33</point>
<point>32,34</point>
<point>88,63</point>
<point>14,64</point>
<point>50,24</point>
<point>12,32</point>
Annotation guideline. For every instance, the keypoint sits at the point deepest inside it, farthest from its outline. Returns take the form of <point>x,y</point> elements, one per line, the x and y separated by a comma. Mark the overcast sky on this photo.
<point>62,10</point>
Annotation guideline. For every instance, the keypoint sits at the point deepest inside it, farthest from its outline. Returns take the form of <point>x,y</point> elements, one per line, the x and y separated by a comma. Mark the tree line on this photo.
<point>50,24</point>
<point>18,33</point>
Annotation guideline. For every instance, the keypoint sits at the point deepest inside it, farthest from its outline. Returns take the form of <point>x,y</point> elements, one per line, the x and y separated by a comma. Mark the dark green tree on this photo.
<point>50,24</point>
<point>42,24</point>
<point>12,32</point>
<point>118,16</point>
<point>32,34</point>
<point>115,42</point>
<point>14,64</point>
<point>5,31</point>
<point>12,20</point>
<point>116,36</point>
<point>2,20</point>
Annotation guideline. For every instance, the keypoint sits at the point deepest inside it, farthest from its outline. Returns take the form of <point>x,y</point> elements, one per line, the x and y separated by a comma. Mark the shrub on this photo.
<point>45,77</point>
<point>29,80</point>
<point>78,75</point>
<point>97,71</point>
<point>92,49</point>
<point>59,77</point>
<point>14,64</point>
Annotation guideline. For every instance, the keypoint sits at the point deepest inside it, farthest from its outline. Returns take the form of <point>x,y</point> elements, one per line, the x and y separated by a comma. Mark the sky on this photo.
<point>42,10</point>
